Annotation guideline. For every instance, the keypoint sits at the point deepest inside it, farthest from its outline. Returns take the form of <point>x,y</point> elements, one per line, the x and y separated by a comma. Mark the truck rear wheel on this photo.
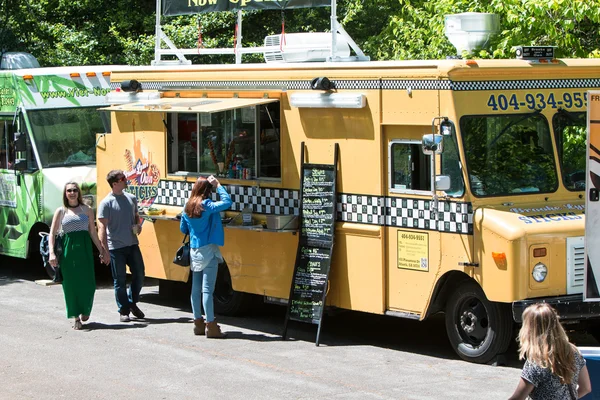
<point>226,300</point>
<point>477,328</point>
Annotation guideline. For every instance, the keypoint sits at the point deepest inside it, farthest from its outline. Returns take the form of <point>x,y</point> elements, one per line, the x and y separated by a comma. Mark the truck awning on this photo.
<point>188,105</point>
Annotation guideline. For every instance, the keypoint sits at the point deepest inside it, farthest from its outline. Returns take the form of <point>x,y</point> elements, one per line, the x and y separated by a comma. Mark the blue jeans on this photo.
<point>203,285</point>
<point>132,256</point>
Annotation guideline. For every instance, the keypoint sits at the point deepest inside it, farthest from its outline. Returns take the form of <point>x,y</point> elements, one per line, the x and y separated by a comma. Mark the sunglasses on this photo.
<point>122,179</point>
<point>72,190</point>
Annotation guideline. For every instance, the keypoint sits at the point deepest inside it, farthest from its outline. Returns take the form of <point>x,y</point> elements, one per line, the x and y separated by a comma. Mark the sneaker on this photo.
<point>136,312</point>
<point>124,318</point>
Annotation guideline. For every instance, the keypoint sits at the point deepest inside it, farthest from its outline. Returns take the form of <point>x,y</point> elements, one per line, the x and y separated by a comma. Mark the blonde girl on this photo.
<point>554,368</point>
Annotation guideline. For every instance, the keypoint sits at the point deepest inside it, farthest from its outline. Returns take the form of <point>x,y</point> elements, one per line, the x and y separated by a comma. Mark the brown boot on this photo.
<point>199,326</point>
<point>213,331</point>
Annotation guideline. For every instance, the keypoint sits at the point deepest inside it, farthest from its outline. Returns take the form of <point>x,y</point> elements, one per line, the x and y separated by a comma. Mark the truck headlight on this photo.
<point>540,271</point>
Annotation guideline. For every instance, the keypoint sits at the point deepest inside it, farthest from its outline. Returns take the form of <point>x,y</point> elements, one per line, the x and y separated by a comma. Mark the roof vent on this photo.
<point>470,31</point>
<point>18,60</point>
<point>303,47</point>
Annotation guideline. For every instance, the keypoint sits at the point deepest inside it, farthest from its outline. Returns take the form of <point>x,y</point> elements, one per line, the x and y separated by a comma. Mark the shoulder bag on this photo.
<point>58,250</point>
<point>182,257</point>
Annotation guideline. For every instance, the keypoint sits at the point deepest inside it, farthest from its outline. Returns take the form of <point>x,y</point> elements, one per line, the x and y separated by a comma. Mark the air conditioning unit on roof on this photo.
<point>18,60</point>
<point>303,47</point>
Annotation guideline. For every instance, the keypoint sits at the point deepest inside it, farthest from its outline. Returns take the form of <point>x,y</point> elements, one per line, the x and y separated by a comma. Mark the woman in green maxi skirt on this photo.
<point>75,221</point>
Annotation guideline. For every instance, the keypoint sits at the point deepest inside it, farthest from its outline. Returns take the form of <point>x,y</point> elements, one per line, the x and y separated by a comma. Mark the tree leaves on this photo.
<point>123,32</point>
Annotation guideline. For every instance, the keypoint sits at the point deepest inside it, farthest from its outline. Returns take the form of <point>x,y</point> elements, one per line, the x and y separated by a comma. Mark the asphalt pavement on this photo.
<point>361,356</point>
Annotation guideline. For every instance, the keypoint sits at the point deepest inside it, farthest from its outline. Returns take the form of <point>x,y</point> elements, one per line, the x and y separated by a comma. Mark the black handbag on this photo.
<point>58,251</point>
<point>182,257</point>
<point>58,278</point>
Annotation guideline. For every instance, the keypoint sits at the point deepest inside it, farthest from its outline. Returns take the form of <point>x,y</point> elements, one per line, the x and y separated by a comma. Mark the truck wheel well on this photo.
<point>34,238</point>
<point>443,290</point>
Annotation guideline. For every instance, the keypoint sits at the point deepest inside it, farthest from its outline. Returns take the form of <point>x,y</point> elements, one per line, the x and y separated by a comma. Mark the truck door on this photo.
<point>13,239</point>
<point>592,203</point>
<point>412,240</point>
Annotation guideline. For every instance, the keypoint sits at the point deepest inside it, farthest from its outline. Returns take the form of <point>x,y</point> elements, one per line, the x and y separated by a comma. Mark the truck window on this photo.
<point>508,154</point>
<point>410,169</point>
<point>6,144</point>
<point>66,136</point>
<point>241,143</point>
<point>570,135</point>
<point>451,165</point>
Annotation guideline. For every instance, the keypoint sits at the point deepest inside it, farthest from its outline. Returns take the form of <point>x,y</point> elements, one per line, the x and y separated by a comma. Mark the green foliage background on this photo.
<point>122,32</point>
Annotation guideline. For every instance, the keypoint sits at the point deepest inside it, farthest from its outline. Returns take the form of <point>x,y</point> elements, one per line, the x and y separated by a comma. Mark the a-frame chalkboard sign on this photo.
<point>315,246</point>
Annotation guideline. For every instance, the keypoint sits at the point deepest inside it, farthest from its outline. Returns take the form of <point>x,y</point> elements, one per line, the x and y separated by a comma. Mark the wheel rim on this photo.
<point>223,287</point>
<point>472,321</point>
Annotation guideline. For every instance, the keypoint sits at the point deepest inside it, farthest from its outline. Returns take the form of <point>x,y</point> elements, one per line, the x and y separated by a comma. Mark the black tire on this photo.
<point>226,300</point>
<point>477,328</point>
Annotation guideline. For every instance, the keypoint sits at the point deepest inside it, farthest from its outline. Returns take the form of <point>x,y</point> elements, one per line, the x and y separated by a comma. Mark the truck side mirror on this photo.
<point>20,147</point>
<point>442,183</point>
<point>432,144</point>
<point>20,165</point>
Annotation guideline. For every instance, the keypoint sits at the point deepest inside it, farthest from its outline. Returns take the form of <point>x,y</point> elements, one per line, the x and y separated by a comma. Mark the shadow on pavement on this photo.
<point>172,302</point>
<point>157,321</point>
<point>93,326</point>
<point>255,337</point>
<point>16,269</point>
<point>338,328</point>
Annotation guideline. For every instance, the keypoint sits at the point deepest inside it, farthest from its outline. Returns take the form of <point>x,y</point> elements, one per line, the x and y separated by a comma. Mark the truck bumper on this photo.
<point>570,307</point>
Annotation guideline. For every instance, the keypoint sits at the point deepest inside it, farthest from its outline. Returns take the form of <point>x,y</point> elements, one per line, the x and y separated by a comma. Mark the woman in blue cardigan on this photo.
<point>202,221</point>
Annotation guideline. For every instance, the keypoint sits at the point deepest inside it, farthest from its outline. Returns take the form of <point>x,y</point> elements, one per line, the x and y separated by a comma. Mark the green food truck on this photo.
<point>48,123</point>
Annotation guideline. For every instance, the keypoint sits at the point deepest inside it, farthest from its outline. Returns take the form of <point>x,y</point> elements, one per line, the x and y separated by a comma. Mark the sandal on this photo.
<point>78,325</point>
<point>84,318</point>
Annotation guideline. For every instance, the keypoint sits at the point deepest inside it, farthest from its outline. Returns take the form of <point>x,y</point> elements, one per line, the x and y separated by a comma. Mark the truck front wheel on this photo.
<point>477,328</point>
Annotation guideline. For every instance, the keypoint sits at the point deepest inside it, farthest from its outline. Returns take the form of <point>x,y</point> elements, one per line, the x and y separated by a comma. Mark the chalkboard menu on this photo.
<point>318,205</point>
<point>309,285</point>
<point>315,245</point>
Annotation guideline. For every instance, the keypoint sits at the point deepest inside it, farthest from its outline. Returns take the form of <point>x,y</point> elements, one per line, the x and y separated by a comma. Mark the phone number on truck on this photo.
<point>537,101</point>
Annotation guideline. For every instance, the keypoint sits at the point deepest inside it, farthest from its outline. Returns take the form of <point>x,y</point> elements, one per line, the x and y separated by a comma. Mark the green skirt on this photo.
<point>77,267</point>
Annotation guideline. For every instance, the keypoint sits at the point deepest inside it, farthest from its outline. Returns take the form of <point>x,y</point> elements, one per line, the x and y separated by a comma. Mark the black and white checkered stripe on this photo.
<point>527,84</point>
<point>371,84</point>
<point>262,200</point>
<point>415,84</point>
<point>453,217</point>
<point>342,84</point>
<point>405,213</point>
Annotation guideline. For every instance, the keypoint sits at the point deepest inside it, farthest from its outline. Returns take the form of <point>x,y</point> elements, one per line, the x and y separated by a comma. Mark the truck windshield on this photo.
<point>570,133</point>
<point>66,137</point>
<point>508,154</point>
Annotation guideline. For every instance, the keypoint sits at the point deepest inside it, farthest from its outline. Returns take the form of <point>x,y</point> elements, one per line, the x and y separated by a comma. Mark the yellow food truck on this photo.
<point>460,183</point>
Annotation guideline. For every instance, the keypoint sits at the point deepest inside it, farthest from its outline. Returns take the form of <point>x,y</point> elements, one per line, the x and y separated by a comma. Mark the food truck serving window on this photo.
<point>237,143</point>
<point>509,154</point>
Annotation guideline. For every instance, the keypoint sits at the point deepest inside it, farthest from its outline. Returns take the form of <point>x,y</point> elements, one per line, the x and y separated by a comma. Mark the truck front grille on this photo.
<point>575,264</point>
